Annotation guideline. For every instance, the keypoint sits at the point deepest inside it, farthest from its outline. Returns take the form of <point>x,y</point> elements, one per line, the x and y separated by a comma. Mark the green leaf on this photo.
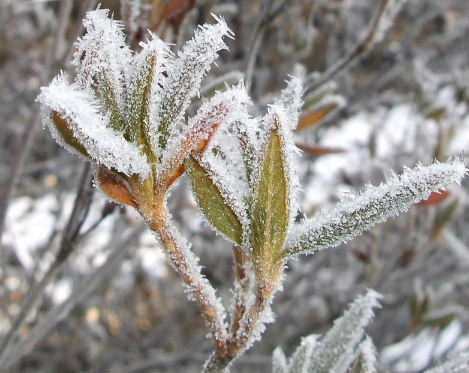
<point>212,203</point>
<point>67,133</point>
<point>270,214</point>
<point>139,130</point>
<point>112,104</point>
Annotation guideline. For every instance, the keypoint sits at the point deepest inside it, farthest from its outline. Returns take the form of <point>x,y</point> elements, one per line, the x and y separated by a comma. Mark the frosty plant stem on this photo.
<point>125,113</point>
<point>185,262</point>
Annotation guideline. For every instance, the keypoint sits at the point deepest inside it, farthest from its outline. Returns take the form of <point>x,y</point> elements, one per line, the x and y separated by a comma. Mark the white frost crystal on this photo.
<point>373,206</point>
<point>365,362</point>
<point>185,75</point>
<point>458,363</point>
<point>80,110</point>
<point>338,345</point>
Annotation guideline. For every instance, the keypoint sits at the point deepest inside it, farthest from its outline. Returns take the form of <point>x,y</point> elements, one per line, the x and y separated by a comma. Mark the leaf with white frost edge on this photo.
<point>270,212</point>
<point>338,345</point>
<point>213,116</point>
<point>212,203</point>
<point>365,362</point>
<point>184,78</point>
<point>144,84</point>
<point>300,360</point>
<point>291,97</point>
<point>279,361</point>
<point>102,60</point>
<point>373,206</point>
<point>79,109</point>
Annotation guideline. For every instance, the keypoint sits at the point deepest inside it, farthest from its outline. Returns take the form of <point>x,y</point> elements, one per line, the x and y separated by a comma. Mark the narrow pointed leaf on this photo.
<point>279,361</point>
<point>212,203</point>
<point>316,116</point>
<point>185,75</point>
<point>317,151</point>
<point>338,345</point>
<point>79,109</point>
<point>270,215</point>
<point>365,362</point>
<point>301,358</point>
<point>145,86</point>
<point>67,135</point>
<point>102,59</point>
<point>375,205</point>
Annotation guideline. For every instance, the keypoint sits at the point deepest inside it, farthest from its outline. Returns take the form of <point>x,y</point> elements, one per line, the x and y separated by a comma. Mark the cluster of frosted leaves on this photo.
<point>342,349</point>
<point>124,106</point>
<point>249,166</point>
<point>346,349</point>
<point>374,205</point>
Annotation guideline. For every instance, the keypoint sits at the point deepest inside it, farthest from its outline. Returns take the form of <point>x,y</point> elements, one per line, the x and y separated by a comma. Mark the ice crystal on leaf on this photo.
<point>125,111</point>
<point>373,206</point>
<point>338,345</point>
<point>340,350</point>
<point>185,76</point>
<point>365,361</point>
<point>81,111</point>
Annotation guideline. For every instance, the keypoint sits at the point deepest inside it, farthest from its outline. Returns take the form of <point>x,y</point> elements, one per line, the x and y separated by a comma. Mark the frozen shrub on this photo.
<point>125,112</point>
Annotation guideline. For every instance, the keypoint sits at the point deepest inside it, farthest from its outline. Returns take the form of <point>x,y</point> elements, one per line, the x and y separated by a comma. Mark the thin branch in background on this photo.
<point>36,291</point>
<point>26,140</point>
<point>120,247</point>
<point>381,22</point>
<point>265,19</point>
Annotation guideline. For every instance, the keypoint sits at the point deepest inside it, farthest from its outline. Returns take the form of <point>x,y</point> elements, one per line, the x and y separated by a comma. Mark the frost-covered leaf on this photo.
<point>212,202</point>
<point>185,76</point>
<point>145,84</point>
<point>65,135</point>
<point>300,361</point>
<point>458,363</point>
<point>279,361</point>
<point>373,206</point>
<point>365,362</point>
<point>291,98</point>
<point>270,213</point>
<point>102,60</point>
<point>338,345</point>
<point>214,115</point>
<point>78,109</point>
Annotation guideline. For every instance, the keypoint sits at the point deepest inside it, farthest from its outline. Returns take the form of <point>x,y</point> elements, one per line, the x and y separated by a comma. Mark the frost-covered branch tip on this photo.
<point>185,76</point>
<point>375,205</point>
<point>339,343</point>
<point>85,129</point>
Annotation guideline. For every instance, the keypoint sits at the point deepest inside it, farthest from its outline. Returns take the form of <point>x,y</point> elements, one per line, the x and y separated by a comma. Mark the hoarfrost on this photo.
<point>339,343</point>
<point>279,361</point>
<point>291,98</point>
<point>102,55</point>
<point>375,205</point>
<point>185,76</point>
<point>80,109</point>
<point>215,114</point>
<point>301,358</point>
<point>365,361</point>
